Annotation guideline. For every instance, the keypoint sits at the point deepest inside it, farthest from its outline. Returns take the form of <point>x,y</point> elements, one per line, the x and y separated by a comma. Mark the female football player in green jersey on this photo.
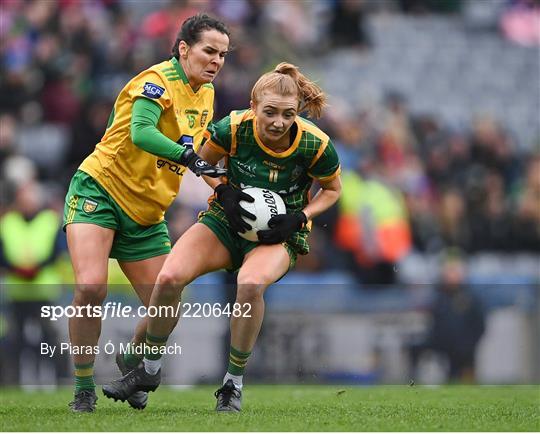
<point>268,146</point>
<point>117,199</point>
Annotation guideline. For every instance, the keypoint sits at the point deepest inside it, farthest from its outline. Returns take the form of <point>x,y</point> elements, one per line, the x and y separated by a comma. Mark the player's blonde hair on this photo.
<point>286,79</point>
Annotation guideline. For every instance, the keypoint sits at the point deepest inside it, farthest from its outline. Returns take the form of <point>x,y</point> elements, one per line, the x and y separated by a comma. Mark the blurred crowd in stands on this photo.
<point>411,182</point>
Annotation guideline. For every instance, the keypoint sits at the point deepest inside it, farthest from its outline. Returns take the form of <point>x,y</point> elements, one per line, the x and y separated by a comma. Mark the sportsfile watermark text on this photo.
<point>113,309</point>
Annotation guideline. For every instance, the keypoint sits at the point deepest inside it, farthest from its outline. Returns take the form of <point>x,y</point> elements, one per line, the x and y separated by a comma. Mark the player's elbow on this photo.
<point>137,136</point>
<point>333,190</point>
<point>337,186</point>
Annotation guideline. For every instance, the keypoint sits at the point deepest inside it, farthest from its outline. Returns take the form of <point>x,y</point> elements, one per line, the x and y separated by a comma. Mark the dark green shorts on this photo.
<point>88,202</point>
<point>237,246</point>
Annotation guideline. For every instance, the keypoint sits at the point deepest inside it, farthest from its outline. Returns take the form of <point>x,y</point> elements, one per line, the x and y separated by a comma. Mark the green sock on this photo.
<point>153,344</point>
<point>84,377</point>
<point>237,361</point>
<point>131,359</point>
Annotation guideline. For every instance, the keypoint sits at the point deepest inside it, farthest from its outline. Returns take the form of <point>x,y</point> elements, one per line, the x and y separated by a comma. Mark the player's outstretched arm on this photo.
<point>145,135</point>
<point>198,166</point>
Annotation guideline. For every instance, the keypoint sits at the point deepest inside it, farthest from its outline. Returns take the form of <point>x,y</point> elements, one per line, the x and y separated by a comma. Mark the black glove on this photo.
<point>229,198</point>
<point>198,166</point>
<point>282,226</point>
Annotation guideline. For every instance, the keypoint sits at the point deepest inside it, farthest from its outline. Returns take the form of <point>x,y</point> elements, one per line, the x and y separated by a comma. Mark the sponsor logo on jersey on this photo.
<point>204,116</point>
<point>273,165</point>
<point>175,168</point>
<point>152,90</point>
<point>246,169</point>
<point>89,206</point>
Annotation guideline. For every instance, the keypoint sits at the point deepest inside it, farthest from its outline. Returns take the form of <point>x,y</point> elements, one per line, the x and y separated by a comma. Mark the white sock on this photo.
<point>236,379</point>
<point>152,366</point>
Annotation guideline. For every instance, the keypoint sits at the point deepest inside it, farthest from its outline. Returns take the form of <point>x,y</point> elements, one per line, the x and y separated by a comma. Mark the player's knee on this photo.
<point>170,283</point>
<point>259,278</point>
<point>247,293</point>
<point>88,293</point>
<point>250,288</point>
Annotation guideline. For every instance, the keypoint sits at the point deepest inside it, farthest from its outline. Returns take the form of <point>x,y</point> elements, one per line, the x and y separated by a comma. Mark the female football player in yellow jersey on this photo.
<point>268,146</point>
<point>117,199</point>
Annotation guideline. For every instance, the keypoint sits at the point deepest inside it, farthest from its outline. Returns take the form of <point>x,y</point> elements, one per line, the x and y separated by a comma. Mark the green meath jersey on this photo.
<point>289,173</point>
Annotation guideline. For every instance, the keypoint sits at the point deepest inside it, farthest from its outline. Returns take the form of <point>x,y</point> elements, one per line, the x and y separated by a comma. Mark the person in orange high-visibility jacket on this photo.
<point>373,226</point>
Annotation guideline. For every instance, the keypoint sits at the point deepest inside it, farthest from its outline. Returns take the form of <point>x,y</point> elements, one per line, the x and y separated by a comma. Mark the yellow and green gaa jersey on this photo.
<point>143,184</point>
<point>289,173</point>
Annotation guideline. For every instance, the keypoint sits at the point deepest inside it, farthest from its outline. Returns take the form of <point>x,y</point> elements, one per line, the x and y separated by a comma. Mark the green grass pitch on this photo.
<point>288,408</point>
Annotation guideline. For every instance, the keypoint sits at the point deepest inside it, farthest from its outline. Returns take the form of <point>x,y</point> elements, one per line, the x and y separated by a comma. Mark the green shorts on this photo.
<point>237,246</point>
<point>88,202</point>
